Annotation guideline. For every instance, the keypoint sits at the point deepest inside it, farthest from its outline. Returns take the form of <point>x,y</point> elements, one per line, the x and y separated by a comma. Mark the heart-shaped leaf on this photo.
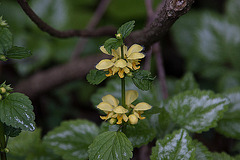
<point>197,110</point>
<point>96,76</point>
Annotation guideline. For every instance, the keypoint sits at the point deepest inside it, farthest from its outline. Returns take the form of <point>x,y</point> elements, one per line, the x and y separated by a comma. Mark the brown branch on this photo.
<point>168,13</point>
<point>63,34</point>
<point>161,71</point>
<point>46,80</point>
<point>102,7</point>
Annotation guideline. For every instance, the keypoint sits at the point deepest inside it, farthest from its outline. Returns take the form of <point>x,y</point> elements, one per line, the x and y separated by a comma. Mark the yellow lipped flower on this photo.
<point>120,64</point>
<point>120,114</point>
<point>133,56</point>
<point>131,96</point>
<point>107,105</point>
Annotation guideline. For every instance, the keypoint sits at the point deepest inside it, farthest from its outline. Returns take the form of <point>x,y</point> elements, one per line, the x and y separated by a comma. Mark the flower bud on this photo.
<point>118,36</point>
<point>6,150</point>
<point>133,119</point>
<point>112,121</point>
<point>3,57</point>
<point>2,90</point>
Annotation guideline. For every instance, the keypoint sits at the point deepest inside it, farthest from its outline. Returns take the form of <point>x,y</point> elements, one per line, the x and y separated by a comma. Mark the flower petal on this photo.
<point>104,64</point>
<point>131,96</point>
<point>126,70</point>
<point>120,110</point>
<point>125,118</point>
<point>143,106</point>
<point>121,63</point>
<point>134,48</point>
<point>136,56</point>
<point>104,50</point>
<point>111,100</point>
<point>105,106</point>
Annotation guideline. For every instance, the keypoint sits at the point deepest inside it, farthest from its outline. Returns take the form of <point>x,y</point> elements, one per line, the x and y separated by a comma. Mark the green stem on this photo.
<point>123,82</point>
<point>2,142</point>
<point>123,92</point>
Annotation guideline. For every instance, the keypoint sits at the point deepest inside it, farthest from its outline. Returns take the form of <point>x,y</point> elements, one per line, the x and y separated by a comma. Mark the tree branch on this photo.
<point>108,30</point>
<point>168,13</point>
<point>46,80</point>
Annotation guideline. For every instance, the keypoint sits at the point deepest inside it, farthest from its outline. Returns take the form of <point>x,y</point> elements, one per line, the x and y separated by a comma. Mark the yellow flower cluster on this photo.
<point>115,112</point>
<point>121,64</point>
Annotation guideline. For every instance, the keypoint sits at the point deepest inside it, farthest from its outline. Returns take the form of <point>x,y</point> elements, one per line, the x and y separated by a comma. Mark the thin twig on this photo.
<point>63,34</point>
<point>160,67</point>
<point>101,9</point>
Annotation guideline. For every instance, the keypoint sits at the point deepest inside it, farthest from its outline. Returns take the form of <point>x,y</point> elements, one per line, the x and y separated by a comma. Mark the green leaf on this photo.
<point>72,138</point>
<point>161,122</point>
<point>140,134</point>
<point>143,79</point>
<point>28,146</point>
<point>202,152</point>
<point>6,39</point>
<point>17,111</point>
<point>175,146</point>
<point>11,131</point>
<point>126,28</point>
<point>197,110</point>
<point>229,125</point>
<point>221,156</point>
<point>111,146</point>
<point>186,83</point>
<point>95,77</point>
<point>18,53</point>
<point>112,43</point>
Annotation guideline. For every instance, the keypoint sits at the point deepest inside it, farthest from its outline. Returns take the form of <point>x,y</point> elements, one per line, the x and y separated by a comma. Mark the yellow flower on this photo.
<point>133,56</point>
<point>120,114</point>
<point>133,119</point>
<point>107,105</point>
<point>110,106</point>
<point>131,96</point>
<point>121,65</point>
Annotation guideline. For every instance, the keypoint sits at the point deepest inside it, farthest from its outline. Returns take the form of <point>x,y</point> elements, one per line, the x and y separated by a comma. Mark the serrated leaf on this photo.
<point>111,145</point>
<point>202,152</point>
<point>143,79</point>
<point>96,76</point>
<point>17,111</point>
<point>197,110</point>
<point>72,138</point>
<point>18,53</point>
<point>229,125</point>
<point>140,134</point>
<point>112,43</point>
<point>126,28</point>
<point>11,131</point>
<point>6,39</point>
<point>186,83</point>
<point>221,156</point>
<point>175,146</point>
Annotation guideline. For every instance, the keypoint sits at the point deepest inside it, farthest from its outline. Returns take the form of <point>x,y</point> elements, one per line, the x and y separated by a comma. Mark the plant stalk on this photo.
<point>123,82</point>
<point>2,142</point>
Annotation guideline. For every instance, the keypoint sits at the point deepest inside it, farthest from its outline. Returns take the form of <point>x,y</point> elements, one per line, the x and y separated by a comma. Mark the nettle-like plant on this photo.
<point>16,110</point>
<point>131,106</point>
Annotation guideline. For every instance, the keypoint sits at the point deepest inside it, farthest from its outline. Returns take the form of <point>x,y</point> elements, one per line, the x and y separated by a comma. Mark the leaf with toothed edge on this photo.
<point>197,110</point>
<point>142,79</point>
<point>202,152</point>
<point>96,76</point>
<point>17,111</point>
<point>6,40</point>
<point>18,53</point>
<point>112,43</point>
<point>176,146</point>
<point>126,28</point>
<point>72,138</point>
<point>111,146</point>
